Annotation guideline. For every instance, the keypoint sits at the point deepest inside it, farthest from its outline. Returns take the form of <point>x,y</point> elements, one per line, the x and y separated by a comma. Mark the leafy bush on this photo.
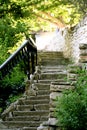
<point>11,87</point>
<point>71,108</point>
<point>12,33</point>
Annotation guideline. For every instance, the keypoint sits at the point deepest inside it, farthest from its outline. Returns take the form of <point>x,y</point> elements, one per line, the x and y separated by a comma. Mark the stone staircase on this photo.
<point>52,58</point>
<point>32,110</point>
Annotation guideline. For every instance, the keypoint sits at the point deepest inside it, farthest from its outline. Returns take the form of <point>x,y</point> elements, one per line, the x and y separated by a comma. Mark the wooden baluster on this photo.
<point>36,57</point>
<point>28,60</point>
<point>32,62</point>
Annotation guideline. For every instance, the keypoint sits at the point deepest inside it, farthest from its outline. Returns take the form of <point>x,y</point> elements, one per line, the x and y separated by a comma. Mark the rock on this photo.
<point>2,127</point>
<point>82,46</point>
<point>41,127</point>
<point>52,121</point>
<point>60,88</point>
<point>53,95</point>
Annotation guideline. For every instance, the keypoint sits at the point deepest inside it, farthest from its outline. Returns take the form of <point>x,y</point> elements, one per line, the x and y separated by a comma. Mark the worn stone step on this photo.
<point>33,107</point>
<point>49,59</point>
<point>59,75</point>
<point>47,81</point>
<point>35,99</point>
<point>38,97</point>
<point>9,129</point>
<point>53,69</point>
<point>54,61</point>
<point>39,107</point>
<point>42,86</point>
<point>23,118</point>
<point>31,113</point>
<point>29,128</point>
<point>4,127</point>
<point>20,124</point>
<point>61,82</point>
<point>27,118</point>
<point>52,58</point>
<point>43,92</point>
<point>33,102</point>
<point>44,54</point>
<point>24,107</point>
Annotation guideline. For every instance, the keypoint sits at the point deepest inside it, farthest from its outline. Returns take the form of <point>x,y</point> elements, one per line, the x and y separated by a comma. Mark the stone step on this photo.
<point>33,107</point>
<point>39,107</point>
<point>47,81</point>
<point>24,107</point>
<point>4,127</point>
<point>35,99</point>
<point>20,124</point>
<point>53,67</point>
<point>27,118</point>
<point>54,61</point>
<point>29,128</point>
<point>24,128</point>
<point>38,97</point>
<point>42,86</point>
<point>24,118</point>
<point>55,76</point>
<point>52,58</point>
<point>31,113</point>
<point>33,102</point>
<point>49,59</point>
<point>43,92</point>
<point>63,82</point>
<point>9,129</point>
<point>49,54</point>
<point>59,68</point>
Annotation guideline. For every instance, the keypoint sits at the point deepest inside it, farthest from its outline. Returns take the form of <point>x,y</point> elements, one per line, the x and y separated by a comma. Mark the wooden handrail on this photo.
<point>26,52</point>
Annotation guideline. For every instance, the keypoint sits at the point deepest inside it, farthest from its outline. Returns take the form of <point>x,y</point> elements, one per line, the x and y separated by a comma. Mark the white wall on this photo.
<point>50,41</point>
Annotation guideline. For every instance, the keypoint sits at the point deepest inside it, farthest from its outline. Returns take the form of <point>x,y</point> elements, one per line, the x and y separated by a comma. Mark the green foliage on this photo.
<point>22,17</point>
<point>11,87</point>
<point>71,107</point>
<point>69,11</point>
<point>12,34</point>
<point>18,18</point>
<point>16,77</point>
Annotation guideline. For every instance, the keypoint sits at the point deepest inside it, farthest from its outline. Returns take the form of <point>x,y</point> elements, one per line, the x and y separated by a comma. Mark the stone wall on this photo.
<point>83,53</point>
<point>67,34</point>
<point>73,38</point>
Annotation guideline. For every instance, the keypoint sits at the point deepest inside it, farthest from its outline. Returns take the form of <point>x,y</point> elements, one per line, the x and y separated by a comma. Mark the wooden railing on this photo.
<point>27,52</point>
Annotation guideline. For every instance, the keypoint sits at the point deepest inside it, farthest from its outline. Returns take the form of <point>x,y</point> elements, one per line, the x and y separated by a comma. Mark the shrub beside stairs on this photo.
<point>31,110</point>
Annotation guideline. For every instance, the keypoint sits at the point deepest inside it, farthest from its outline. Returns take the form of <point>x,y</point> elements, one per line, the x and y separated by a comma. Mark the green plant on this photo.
<point>11,87</point>
<point>71,107</point>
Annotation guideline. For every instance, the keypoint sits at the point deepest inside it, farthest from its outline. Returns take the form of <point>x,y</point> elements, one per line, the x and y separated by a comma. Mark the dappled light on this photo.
<point>43,51</point>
